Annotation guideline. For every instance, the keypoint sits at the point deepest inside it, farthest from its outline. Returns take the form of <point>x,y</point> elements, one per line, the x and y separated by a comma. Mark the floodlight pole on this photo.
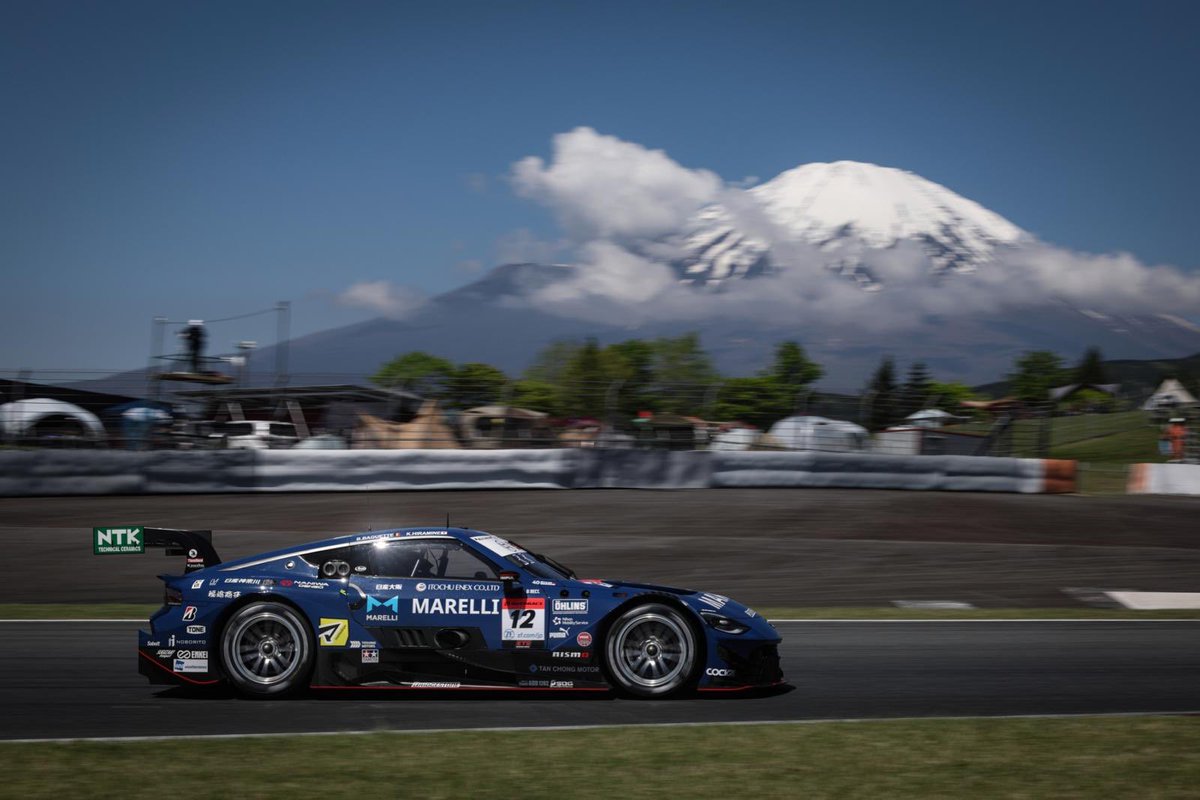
<point>154,386</point>
<point>284,309</point>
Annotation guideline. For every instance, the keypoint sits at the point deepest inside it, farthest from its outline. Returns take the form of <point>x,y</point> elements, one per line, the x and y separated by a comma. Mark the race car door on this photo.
<point>422,597</point>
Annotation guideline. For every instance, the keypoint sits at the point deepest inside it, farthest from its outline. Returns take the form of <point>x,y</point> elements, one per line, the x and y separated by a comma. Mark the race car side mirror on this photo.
<point>508,576</point>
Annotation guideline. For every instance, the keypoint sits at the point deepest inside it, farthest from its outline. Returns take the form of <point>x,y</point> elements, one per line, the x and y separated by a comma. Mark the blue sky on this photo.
<point>208,159</point>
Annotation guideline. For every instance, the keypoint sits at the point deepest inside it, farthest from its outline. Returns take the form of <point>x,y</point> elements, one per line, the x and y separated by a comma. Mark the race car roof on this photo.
<point>462,534</point>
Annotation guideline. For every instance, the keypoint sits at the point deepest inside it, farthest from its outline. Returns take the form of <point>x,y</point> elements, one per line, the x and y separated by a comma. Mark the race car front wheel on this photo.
<point>650,651</point>
<point>267,650</point>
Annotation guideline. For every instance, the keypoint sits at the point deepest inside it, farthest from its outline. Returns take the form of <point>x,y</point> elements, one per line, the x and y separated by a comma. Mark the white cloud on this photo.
<point>382,297</point>
<point>603,187</point>
<point>624,206</point>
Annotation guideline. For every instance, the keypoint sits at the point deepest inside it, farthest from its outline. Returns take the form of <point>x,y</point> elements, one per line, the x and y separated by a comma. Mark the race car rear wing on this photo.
<point>196,546</point>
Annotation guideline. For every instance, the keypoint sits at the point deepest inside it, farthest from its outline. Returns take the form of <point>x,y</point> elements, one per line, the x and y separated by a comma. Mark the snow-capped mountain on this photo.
<point>844,209</point>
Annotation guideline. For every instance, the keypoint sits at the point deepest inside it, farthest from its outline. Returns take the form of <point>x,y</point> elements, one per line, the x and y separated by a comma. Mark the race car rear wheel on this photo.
<point>650,651</point>
<point>267,650</point>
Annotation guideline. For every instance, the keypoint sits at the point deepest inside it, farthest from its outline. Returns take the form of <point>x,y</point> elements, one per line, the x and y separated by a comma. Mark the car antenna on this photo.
<point>447,519</point>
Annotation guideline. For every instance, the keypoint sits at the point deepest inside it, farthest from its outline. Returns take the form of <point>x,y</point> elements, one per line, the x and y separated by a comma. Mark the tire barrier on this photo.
<point>98,472</point>
<point>389,470</point>
<point>1164,479</point>
<point>870,471</point>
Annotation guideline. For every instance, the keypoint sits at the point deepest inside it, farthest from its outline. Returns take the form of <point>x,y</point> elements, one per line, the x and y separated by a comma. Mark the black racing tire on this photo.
<point>651,651</point>
<point>267,650</point>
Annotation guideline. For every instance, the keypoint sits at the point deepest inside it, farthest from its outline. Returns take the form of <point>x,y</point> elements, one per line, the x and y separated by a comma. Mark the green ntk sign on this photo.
<point>116,541</point>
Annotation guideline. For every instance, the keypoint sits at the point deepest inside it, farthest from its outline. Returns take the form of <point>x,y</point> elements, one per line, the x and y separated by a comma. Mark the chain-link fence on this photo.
<point>486,410</point>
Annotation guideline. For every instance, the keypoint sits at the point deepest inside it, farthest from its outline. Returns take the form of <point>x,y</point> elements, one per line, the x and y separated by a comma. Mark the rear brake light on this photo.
<point>172,597</point>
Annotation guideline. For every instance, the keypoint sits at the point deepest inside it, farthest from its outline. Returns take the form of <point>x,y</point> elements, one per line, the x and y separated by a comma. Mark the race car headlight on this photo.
<point>722,623</point>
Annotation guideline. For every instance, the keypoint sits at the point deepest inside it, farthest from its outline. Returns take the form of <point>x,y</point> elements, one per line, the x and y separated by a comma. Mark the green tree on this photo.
<point>538,396</point>
<point>772,394</point>
<point>883,391</point>
<point>683,372</point>
<point>476,384</point>
<point>585,382</point>
<point>632,363</point>
<point>416,371</point>
<point>949,396</point>
<point>1091,368</point>
<point>1035,373</point>
<point>916,390</point>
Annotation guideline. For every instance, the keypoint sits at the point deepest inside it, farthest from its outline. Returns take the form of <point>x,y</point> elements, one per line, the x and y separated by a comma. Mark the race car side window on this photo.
<point>428,558</point>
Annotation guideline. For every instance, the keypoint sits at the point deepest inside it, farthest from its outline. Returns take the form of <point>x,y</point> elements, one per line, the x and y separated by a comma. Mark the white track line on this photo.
<point>800,621</point>
<point>601,726</point>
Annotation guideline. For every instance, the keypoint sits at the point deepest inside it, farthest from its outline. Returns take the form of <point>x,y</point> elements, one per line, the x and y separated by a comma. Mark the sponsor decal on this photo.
<point>716,672</point>
<point>582,654</point>
<point>224,594</point>
<point>370,656</point>
<point>478,586</point>
<point>196,629</point>
<point>286,583</point>
<point>435,685</point>
<point>750,612</point>
<point>574,669</point>
<point>547,684</point>
<point>118,541</point>
<point>569,621</point>
<point>523,620</point>
<point>189,613</point>
<point>584,639</point>
<point>389,587</point>
<point>192,654</point>
<point>190,665</point>
<point>246,581</point>
<point>714,600</point>
<point>333,632</point>
<point>543,583</point>
<point>198,584</point>
<point>311,584</point>
<point>410,534</point>
<point>165,653</point>
<point>596,582</point>
<point>391,604</point>
<point>497,545</point>
<point>472,606</point>
<point>153,644</point>
<point>570,606</point>
<point>561,633</point>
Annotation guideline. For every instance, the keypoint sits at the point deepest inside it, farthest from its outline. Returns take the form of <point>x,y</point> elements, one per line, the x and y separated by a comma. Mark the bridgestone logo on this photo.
<point>116,541</point>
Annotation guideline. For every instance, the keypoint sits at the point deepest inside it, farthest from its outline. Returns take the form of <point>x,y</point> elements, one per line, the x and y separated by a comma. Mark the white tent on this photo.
<point>1168,395</point>
<point>818,433</point>
<point>930,418</point>
<point>735,439</point>
<point>22,417</point>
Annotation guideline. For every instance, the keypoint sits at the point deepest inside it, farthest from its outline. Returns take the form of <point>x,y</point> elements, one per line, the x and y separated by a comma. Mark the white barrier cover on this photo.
<point>1171,479</point>
<point>381,470</point>
<point>875,471</point>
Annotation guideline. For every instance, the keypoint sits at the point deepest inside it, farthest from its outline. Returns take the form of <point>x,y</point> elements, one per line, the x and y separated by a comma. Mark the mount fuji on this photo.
<point>846,209</point>
<point>842,226</point>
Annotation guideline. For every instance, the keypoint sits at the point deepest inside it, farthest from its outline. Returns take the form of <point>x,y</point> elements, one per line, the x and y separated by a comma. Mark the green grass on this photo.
<point>76,610</point>
<point>1123,437</point>
<point>1062,758</point>
<point>132,611</point>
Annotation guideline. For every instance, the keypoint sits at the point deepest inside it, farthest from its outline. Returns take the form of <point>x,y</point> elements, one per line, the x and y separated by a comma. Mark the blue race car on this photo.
<point>439,608</point>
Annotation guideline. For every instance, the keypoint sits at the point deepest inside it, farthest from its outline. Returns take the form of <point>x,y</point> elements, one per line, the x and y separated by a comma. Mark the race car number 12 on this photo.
<point>523,620</point>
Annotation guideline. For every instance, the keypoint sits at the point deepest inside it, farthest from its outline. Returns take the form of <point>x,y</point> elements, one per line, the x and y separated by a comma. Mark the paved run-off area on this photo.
<point>768,547</point>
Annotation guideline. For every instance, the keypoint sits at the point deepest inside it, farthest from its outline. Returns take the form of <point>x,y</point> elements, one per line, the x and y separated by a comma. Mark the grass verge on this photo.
<point>1063,758</point>
<point>136,611</point>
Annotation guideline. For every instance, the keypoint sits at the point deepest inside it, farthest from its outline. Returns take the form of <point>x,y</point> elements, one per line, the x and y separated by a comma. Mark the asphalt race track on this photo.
<point>80,680</point>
